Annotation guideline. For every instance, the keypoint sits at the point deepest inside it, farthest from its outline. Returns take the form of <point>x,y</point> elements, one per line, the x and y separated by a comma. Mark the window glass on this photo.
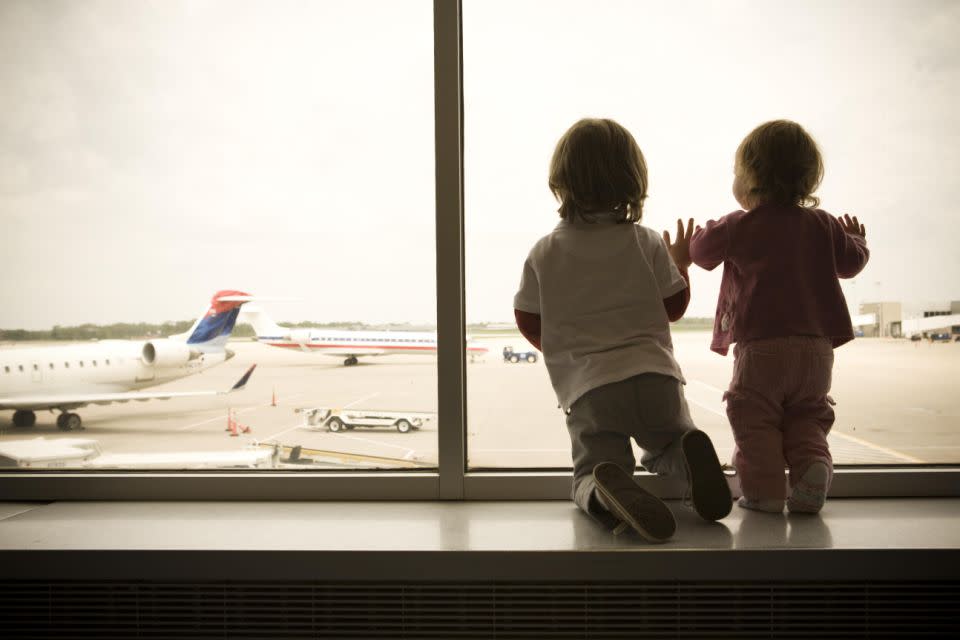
<point>261,145</point>
<point>876,84</point>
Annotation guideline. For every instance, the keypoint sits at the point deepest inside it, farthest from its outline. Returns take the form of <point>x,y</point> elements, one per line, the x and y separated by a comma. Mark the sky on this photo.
<point>152,153</point>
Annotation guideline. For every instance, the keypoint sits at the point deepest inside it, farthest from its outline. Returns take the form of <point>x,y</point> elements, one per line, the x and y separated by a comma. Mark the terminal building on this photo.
<point>892,320</point>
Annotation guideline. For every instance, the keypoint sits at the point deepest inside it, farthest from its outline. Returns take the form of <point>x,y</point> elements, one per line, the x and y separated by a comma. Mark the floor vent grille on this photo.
<point>228,610</point>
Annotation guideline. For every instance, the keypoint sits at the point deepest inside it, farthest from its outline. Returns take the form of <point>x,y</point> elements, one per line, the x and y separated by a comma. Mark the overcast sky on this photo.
<point>154,152</point>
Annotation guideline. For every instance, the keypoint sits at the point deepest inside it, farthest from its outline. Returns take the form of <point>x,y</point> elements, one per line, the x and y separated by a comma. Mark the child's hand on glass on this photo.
<point>852,226</point>
<point>680,250</point>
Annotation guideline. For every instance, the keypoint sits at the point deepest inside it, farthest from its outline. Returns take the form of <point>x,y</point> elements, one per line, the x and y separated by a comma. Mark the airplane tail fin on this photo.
<point>263,325</point>
<point>213,328</point>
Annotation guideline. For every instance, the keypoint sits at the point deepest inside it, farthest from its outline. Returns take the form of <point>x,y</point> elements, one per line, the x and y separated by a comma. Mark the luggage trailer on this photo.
<point>337,420</point>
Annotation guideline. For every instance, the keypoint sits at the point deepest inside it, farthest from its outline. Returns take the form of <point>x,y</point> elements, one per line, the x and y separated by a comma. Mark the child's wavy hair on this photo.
<point>781,164</point>
<point>597,167</point>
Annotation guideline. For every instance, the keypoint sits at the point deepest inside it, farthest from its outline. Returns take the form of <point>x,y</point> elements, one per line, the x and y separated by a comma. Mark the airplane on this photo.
<point>344,343</point>
<point>66,377</point>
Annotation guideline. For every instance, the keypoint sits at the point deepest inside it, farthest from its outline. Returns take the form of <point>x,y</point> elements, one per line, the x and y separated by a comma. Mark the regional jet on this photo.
<point>66,377</point>
<point>349,345</point>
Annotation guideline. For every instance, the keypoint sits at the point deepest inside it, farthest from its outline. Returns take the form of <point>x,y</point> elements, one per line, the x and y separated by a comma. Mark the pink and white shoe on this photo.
<point>810,492</point>
<point>767,505</point>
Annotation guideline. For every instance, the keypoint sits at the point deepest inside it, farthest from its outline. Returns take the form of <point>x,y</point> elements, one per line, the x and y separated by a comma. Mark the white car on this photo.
<point>337,420</point>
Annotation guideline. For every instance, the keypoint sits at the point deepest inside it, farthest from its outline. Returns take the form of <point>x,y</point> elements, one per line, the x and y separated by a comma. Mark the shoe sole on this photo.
<point>708,486</point>
<point>811,501</point>
<point>614,483</point>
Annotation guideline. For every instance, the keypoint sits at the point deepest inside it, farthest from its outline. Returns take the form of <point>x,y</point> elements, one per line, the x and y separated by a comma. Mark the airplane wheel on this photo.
<point>69,422</point>
<point>403,426</point>
<point>335,425</point>
<point>349,362</point>
<point>24,418</point>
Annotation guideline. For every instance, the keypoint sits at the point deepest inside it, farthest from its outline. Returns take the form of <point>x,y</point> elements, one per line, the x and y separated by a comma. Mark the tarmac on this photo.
<point>897,404</point>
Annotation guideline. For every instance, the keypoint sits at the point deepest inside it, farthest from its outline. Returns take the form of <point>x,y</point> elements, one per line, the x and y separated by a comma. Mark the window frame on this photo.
<point>451,480</point>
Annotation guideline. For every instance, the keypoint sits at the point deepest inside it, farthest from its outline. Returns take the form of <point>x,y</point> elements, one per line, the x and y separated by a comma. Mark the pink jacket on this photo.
<point>780,273</point>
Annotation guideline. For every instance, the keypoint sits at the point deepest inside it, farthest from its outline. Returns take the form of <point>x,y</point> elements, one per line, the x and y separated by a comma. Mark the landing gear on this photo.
<point>403,426</point>
<point>24,418</point>
<point>349,362</point>
<point>69,422</point>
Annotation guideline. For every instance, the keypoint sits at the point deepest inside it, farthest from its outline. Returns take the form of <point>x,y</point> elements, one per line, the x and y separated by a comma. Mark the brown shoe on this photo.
<point>632,505</point>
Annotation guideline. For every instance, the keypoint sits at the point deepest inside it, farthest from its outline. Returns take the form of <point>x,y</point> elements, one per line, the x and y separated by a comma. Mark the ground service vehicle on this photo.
<point>509,355</point>
<point>337,420</point>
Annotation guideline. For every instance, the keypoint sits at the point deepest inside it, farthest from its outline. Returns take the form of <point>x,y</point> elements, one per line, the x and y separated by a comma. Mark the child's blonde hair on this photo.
<point>598,167</point>
<point>781,164</point>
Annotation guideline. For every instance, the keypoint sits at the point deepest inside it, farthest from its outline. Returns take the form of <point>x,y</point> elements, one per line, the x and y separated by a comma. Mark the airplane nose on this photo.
<point>229,354</point>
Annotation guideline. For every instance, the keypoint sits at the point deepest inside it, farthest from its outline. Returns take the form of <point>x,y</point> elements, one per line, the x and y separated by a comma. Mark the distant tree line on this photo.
<point>144,330</point>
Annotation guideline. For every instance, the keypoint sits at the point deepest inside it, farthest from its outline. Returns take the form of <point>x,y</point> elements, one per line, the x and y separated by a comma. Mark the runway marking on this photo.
<point>240,411</point>
<point>877,447</point>
<point>359,400</point>
<point>280,433</point>
<point>472,450</point>
<point>864,443</point>
<point>705,407</point>
<point>409,451</point>
<point>708,386</point>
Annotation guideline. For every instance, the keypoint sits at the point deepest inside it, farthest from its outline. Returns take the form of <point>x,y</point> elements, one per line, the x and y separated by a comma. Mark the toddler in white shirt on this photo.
<point>596,296</point>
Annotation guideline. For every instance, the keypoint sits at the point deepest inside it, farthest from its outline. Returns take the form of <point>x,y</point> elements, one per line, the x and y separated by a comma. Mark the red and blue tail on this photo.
<point>212,330</point>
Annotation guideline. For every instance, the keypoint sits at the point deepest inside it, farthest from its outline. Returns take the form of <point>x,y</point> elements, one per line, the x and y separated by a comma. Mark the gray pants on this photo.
<point>650,408</point>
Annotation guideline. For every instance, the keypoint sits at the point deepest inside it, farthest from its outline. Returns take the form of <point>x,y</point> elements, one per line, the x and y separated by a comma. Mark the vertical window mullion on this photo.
<point>451,338</point>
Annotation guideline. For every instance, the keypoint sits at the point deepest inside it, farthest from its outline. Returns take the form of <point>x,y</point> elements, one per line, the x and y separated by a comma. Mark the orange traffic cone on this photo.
<point>246,430</point>
<point>233,426</point>
<point>229,420</point>
<point>273,398</point>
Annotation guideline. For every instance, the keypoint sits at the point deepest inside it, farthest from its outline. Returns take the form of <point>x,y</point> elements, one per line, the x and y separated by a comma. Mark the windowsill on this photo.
<point>853,539</point>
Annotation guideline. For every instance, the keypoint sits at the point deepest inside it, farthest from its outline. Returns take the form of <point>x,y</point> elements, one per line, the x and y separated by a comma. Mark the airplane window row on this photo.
<point>420,340</point>
<point>66,365</point>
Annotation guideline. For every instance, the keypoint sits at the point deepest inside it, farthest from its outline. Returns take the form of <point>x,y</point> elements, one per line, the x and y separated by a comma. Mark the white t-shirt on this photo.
<point>599,289</point>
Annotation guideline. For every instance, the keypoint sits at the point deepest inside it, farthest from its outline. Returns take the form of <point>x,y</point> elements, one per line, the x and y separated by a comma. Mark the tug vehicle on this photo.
<point>509,355</point>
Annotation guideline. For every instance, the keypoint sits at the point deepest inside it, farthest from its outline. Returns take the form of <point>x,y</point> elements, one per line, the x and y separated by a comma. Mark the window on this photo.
<point>6,369</point>
<point>872,95</point>
<point>165,133</point>
<point>36,367</point>
<point>20,368</point>
<point>256,109</point>
<point>51,366</point>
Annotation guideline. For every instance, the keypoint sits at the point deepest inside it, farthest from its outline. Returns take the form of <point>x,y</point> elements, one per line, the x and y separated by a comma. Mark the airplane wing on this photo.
<point>74,400</point>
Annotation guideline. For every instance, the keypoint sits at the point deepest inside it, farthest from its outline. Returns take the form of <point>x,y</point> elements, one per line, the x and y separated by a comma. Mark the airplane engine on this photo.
<point>300,336</point>
<point>168,353</point>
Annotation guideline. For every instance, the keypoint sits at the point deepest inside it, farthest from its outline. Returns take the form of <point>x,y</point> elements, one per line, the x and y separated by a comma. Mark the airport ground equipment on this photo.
<point>509,355</point>
<point>337,420</point>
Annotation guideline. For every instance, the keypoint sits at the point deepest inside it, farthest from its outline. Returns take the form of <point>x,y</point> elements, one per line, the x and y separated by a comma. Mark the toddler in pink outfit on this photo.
<point>781,304</point>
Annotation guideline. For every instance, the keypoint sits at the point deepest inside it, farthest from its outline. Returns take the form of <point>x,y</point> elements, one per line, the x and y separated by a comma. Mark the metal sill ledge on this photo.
<point>853,539</point>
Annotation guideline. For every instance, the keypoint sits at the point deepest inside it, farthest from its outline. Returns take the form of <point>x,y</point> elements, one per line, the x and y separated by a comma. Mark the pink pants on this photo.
<point>779,411</point>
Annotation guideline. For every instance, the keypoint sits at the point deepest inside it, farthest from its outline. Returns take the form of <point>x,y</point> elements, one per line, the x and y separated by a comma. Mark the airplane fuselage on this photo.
<point>359,343</point>
<point>102,367</point>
